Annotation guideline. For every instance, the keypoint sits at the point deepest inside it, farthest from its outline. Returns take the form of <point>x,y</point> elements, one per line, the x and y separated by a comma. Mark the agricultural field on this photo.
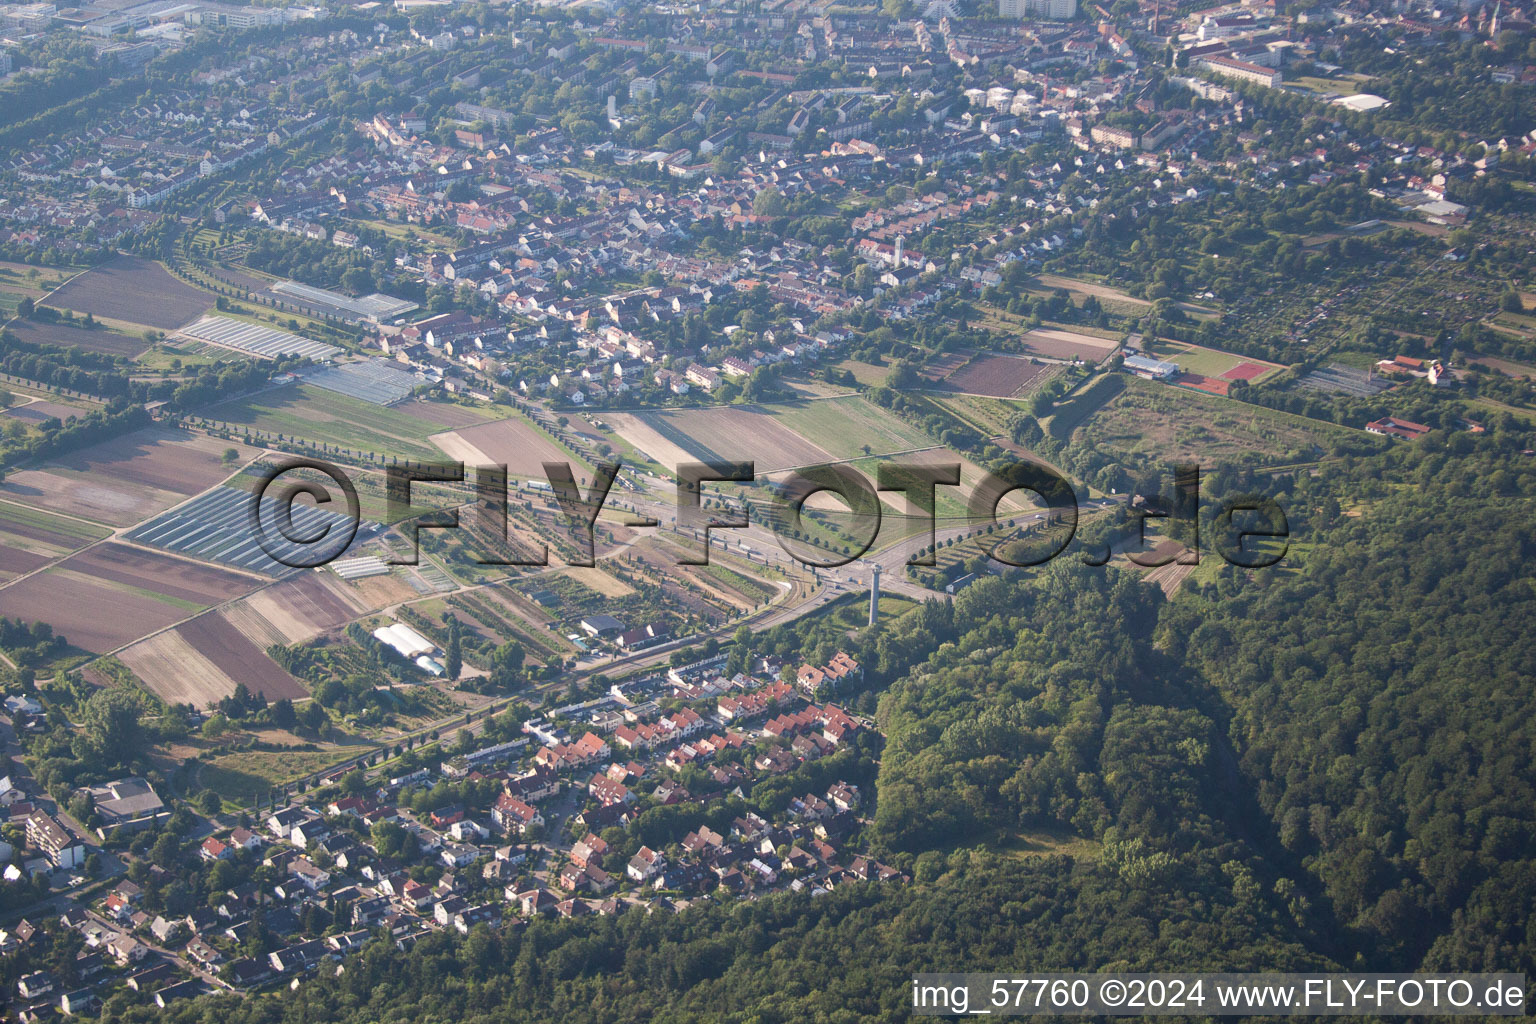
<point>1116,300</point>
<point>1079,290</point>
<point>297,609</point>
<point>451,415</point>
<point>372,490</point>
<point>1507,367</point>
<point>1058,343</point>
<point>124,481</point>
<point>20,281</point>
<point>991,416</point>
<point>41,410</point>
<point>726,433</point>
<point>381,591</point>
<point>848,428</point>
<point>994,376</point>
<point>942,364</point>
<point>175,578</point>
<point>867,374</point>
<point>596,579</point>
<point>30,539</point>
<point>498,613</point>
<point>201,661</point>
<point>61,335</point>
<point>788,435</point>
<point>620,447</point>
<point>513,442</point>
<point>634,430</point>
<point>111,594</point>
<point>1167,424</point>
<point>134,290</point>
<point>313,414</point>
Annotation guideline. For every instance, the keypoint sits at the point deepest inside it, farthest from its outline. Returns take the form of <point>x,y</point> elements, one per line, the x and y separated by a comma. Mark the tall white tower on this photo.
<point>901,244</point>
<point>874,594</point>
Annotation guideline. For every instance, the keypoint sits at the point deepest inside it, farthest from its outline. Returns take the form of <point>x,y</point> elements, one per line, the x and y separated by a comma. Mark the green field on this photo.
<point>991,416</point>
<point>867,374</point>
<point>1047,842</point>
<point>1355,357</point>
<point>949,504</point>
<point>1331,86</point>
<point>845,427</point>
<point>17,281</point>
<point>1083,400</point>
<point>314,414</point>
<point>1208,362</point>
<point>9,301</point>
<point>161,356</point>
<point>1165,424</point>
<point>628,453</point>
<point>24,516</point>
<point>856,616</point>
<point>746,586</point>
<point>851,611</point>
<point>401,232</point>
<point>239,777</point>
<point>149,594</point>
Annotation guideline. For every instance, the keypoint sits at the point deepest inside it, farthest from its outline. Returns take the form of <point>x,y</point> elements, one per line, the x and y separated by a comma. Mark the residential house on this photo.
<point>459,855</point>
<point>589,849</point>
<point>297,958</point>
<point>216,849</point>
<point>645,864</point>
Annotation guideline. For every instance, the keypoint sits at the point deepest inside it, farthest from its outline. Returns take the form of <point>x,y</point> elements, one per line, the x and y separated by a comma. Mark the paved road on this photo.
<point>185,964</point>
